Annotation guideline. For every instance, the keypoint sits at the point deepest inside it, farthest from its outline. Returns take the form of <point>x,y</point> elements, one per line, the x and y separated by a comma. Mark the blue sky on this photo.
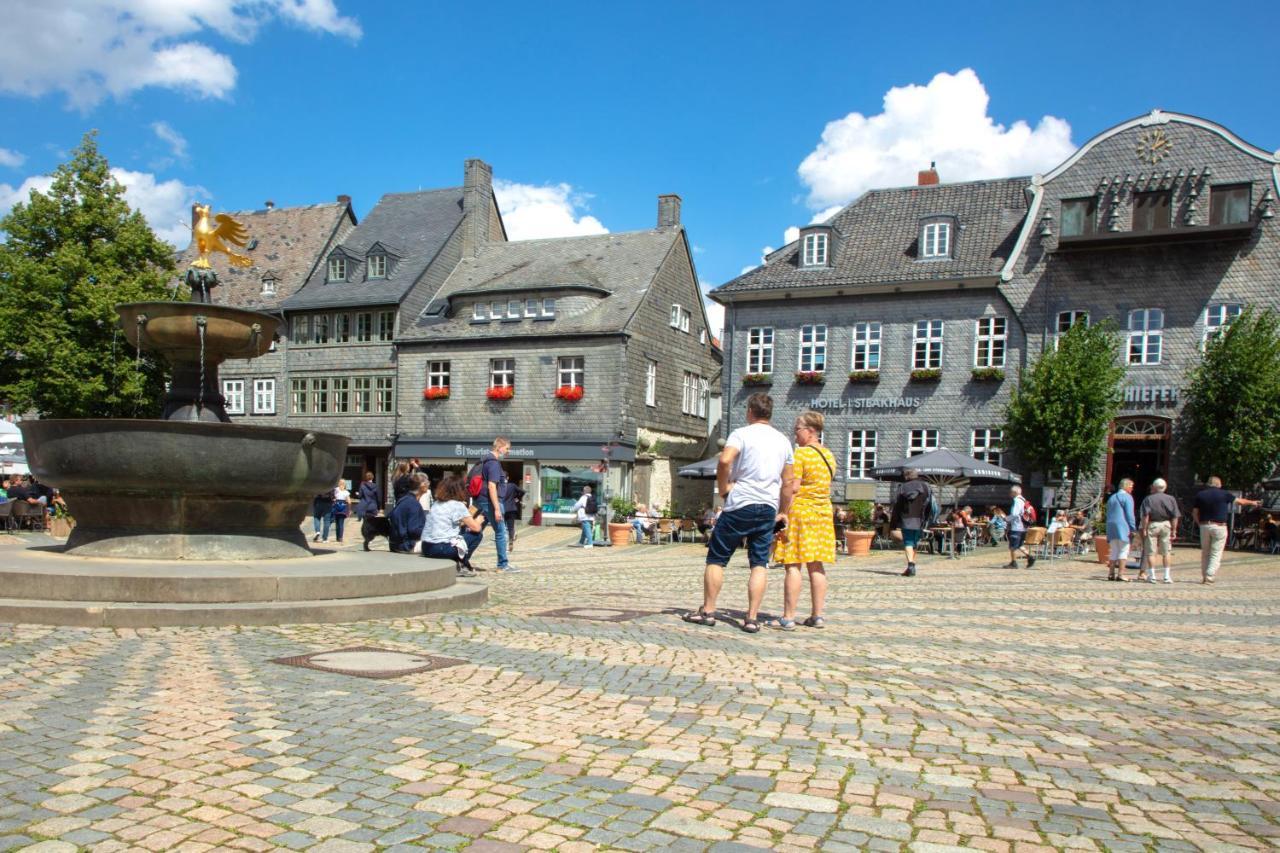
<point>761,116</point>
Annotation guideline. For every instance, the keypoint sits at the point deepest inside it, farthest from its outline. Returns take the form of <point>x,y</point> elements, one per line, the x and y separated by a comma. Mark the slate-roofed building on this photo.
<point>586,343</point>
<point>906,316</point>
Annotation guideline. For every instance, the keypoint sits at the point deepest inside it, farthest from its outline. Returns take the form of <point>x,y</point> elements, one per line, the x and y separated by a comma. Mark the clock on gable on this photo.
<point>1153,146</point>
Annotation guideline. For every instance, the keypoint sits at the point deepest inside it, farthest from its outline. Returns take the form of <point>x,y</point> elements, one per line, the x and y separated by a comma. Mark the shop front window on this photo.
<point>562,485</point>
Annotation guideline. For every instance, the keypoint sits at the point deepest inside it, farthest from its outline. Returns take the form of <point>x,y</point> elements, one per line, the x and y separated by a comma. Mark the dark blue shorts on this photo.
<point>910,538</point>
<point>754,522</point>
<point>1015,539</point>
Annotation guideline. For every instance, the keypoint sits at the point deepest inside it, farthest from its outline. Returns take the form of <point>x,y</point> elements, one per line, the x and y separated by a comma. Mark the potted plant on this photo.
<point>60,521</point>
<point>930,374</point>
<point>1100,544</point>
<point>620,531</point>
<point>987,374</point>
<point>858,536</point>
<point>856,376</point>
<point>501,392</point>
<point>757,379</point>
<point>810,377</point>
<point>569,393</point>
<point>440,392</point>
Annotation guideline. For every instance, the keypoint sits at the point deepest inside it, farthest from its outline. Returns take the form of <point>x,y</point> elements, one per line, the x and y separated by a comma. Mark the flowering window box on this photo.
<point>757,379</point>
<point>988,374</point>
<point>501,392</point>
<point>810,377</point>
<point>864,376</point>
<point>436,393</point>
<point>569,393</point>
<point>931,374</point>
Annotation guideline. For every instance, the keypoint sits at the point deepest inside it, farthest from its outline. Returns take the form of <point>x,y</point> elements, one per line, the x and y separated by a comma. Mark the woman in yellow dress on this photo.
<point>810,535</point>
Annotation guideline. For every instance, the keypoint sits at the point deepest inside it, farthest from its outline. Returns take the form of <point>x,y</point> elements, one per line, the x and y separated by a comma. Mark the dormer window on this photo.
<point>548,308</point>
<point>480,312</point>
<point>268,285</point>
<point>337,268</point>
<point>815,250</point>
<point>935,239</point>
<point>377,266</point>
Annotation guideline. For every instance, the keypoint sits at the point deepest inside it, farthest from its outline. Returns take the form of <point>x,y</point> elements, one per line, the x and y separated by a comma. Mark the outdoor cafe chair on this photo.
<point>1034,541</point>
<point>6,515</point>
<point>667,528</point>
<point>688,525</point>
<point>1063,540</point>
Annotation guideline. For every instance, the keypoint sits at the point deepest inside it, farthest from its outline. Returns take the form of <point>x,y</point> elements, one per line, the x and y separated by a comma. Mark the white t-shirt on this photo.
<point>581,509</point>
<point>341,494</point>
<point>1016,524</point>
<point>757,470</point>
<point>442,521</point>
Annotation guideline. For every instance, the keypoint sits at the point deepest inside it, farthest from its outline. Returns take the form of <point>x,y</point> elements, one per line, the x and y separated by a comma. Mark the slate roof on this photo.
<point>878,238</point>
<point>289,241</point>
<point>412,226</point>
<point>622,265</point>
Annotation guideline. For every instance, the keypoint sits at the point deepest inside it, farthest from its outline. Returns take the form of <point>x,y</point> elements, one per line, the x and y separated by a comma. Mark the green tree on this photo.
<point>1060,412</point>
<point>69,255</point>
<point>1230,423</point>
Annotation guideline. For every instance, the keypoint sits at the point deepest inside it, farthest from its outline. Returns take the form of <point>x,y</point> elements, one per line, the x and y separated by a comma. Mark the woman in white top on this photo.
<point>452,530</point>
<point>341,507</point>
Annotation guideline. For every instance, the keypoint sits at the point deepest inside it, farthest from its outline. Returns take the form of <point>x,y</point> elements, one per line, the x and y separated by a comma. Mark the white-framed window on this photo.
<point>572,370</point>
<point>1067,319</point>
<point>320,395</point>
<point>264,396</point>
<point>702,336</point>
<point>531,308</point>
<point>298,397</point>
<point>320,329</point>
<point>502,372</point>
<point>341,395</point>
<point>377,266</point>
<point>650,382</point>
<point>362,395</point>
<point>676,311</point>
<point>760,349</point>
<point>685,317</point>
<point>991,335</point>
<point>691,391</point>
<point>269,286</point>
<point>704,395</point>
<point>480,312</point>
<point>815,250</point>
<point>384,399</point>
<point>862,453</point>
<point>299,329</point>
<point>813,348</point>
<point>1216,319</point>
<point>1146,333</point>
<point>988,445</point>
<point>364,327</point>
<point>233,393</point>
<point>437,374</point>
<point>337,268</point>
<point>386,325</point>
<point>866,346</point>
<point>927,352</point>
<point>341,328</point>
<point>935,240</point>
<point>548,308</point>
<point>921,441</point>
<point>515,309</point>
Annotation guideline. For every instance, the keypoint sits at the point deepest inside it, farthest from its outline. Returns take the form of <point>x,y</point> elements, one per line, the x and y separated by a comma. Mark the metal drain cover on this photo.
<point>596,614</point>
<point>370,662</point>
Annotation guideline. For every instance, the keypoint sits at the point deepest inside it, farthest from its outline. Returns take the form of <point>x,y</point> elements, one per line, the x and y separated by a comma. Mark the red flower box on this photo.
<point>501,392</point>
<point>438,393</point>
<point>569,393</point>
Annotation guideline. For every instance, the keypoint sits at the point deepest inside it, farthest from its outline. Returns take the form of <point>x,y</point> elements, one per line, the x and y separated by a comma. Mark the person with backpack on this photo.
<point>585,511</point>
<point>484,484</point>
<point>1021,516</point>
<point>911,510</point>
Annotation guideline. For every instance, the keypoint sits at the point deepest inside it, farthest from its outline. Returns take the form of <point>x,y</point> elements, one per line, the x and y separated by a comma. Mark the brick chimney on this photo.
<point>344,199</point>
<point>928,177</point>
<point>477,191</point>
<point>668,210</point>
<point>270,204</point>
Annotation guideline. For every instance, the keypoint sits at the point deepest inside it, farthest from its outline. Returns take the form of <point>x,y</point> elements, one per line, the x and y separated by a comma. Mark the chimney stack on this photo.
<point>928,177</point>
<point>270,205</point>
<point>668,210</point>
<point>477,192</point>
<point>344,199</point>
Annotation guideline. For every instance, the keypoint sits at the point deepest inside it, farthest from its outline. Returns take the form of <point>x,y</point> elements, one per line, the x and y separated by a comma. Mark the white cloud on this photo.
<point>790,235</point>
<point>176,141</point>
<point>166,205</point>
<point>825,214</point>
<point>553,210</point>
<point>715,316</point>
<point>94,49</point>
<point>944,121</point>
<point>12,159</point>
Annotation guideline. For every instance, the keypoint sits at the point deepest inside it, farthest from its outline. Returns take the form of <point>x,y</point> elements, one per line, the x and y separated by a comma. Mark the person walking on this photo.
<point>1120,527</point>
<point>810,535</point>
<point>909,510</point>
<point>407,516</point>
<point>322,514</point>
<point>584,510</point>
<point>1210,510</point>
<point>341,508</point>
<point>754,477</point>
<point>489,501</point>
<point>512,496</point>
<point>452,530</point>
<point>1159,525</point>
<point>1017,530</point>
<point>368,503</point>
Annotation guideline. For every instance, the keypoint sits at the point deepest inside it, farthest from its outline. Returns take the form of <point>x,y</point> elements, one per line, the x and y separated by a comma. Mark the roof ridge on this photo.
<point>654,231</point>
<point>423,192</point>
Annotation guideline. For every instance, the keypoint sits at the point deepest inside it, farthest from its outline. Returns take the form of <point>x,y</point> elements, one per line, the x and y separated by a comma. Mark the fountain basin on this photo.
<point>184,490</point>
<point>170,328</point>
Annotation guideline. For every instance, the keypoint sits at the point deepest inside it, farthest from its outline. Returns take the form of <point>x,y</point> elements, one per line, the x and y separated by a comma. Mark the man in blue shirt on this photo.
<point>1212,510</point>
<point>489,501</point>
<point>1120,527</point>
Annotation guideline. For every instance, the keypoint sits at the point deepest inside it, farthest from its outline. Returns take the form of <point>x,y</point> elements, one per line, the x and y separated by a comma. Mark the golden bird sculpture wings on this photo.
<point>210,238</point>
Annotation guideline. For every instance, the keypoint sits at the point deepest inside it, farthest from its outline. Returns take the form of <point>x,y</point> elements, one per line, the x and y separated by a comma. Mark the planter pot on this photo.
<point>60,528</point>
<point>619,535</point>
<point>1102,548</point>
<point>858,542</point>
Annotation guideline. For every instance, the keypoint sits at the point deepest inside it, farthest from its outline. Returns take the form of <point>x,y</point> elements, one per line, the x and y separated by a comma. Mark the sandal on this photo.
<point>751,626</point>
<point>782,624</point>
<point>697,617</point>
<point>814,622</point>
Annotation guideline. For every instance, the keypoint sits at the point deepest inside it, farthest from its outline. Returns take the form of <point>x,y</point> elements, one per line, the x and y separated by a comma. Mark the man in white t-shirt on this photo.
<point>754,479</point>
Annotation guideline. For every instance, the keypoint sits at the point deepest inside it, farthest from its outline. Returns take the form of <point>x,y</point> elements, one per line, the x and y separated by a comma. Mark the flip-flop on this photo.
<point>814,622</point>
<point>751,626</point>
<point>697,617</point>
<point>782,624</point>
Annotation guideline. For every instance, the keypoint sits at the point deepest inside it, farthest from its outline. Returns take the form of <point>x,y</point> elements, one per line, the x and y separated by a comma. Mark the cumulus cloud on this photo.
<point>715,316</point>
<point>93,49</point>
<point>166,205</point>
<point>552,210</point>
<point>167,134</point>
<point>12,159</point>
<point>944,121</point>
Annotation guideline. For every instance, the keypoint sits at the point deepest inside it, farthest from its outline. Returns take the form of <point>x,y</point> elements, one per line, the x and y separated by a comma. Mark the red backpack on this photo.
<point>1028,513</point>
<point>475,479</point>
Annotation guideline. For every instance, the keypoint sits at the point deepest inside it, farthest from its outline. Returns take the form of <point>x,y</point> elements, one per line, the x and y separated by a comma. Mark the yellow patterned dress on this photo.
<point>811,532</point>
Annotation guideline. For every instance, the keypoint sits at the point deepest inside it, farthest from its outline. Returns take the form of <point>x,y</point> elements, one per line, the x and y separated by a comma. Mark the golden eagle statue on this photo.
<point>210,239</point>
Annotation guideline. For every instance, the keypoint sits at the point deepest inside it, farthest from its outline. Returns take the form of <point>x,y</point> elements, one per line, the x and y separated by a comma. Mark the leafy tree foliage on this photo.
<point>1231,416</point>
<point>1060,412</point>
<point>68,256</point>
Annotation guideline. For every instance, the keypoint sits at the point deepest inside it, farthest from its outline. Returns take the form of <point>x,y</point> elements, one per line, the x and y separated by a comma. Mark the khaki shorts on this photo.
<point>1159,538</point>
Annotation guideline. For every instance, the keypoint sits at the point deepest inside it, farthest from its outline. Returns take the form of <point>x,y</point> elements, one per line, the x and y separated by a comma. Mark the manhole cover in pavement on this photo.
<point>369,662</point>
<point>596,614</point>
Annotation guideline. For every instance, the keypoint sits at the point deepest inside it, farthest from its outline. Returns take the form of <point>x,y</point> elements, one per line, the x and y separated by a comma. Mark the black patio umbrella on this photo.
<point>943,467</point>
<point>704,470</point>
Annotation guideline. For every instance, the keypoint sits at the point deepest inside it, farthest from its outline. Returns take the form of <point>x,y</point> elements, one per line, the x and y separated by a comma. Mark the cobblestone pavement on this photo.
<point>969,707</point>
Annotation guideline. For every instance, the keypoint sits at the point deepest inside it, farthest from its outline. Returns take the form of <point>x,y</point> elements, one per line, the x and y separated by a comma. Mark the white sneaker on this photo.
<point>1168,580</point>
<point>588,545</point>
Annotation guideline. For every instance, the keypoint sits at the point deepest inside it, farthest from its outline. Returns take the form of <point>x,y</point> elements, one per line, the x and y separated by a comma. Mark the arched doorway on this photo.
<point>1138,449</point>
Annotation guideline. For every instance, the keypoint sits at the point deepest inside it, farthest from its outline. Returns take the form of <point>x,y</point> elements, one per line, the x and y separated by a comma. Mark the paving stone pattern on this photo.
<point>971,707</point>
